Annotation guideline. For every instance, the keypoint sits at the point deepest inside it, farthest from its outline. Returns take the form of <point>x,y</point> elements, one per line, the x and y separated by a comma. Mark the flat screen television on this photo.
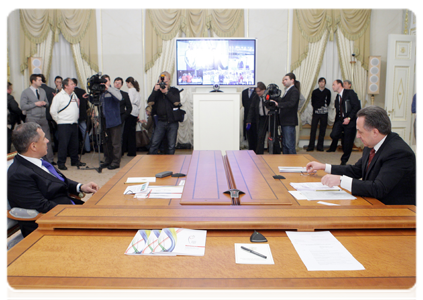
<point>210,61</point>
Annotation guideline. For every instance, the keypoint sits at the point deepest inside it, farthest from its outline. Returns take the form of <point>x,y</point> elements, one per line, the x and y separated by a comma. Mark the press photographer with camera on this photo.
<point>288,107</point>
<point>164,100</point>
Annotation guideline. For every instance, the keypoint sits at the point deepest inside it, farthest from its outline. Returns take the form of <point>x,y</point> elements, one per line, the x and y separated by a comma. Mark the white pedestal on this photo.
<point>216,121</point>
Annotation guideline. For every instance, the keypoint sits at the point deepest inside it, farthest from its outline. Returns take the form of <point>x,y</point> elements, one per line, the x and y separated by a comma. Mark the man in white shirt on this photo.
<point>32,182</point>
<point>65,111</point>
<point>387,168</point>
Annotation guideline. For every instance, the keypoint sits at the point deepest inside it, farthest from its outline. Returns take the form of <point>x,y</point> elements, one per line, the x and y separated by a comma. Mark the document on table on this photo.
<point>312,186</point>
<point>168,242</point>
<point>244,257</point>
<point>133,189</point>
<point>327,195</point>
<point>140,179</point>
<point>292,169</point>
<point>321,251</point>
<point>161,192</point>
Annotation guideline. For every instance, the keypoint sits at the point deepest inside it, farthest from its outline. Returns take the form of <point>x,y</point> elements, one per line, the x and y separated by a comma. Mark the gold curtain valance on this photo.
<point>164,24</point>
<point>310,24</point>
<point>76,25</point>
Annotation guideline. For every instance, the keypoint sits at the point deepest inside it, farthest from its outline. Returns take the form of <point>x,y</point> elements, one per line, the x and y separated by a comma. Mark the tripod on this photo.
<point>97,128</point>
<point>270,123</point>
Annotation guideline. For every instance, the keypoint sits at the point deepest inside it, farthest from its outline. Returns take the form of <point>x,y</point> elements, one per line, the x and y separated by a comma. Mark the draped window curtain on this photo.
<point>163,26</point>
<point>311,29</point>
<point>40,29</point>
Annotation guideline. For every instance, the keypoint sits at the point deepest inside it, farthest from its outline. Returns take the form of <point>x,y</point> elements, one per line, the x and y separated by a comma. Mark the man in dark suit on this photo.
<point>14,115</point>
<point>50,93</point>
<point>347,105</point>
<point>258,122</point>
<point>83,117</point>
<point>33,183</point>
<point>387,168</point>
<point>247,97</point>
<point>125,104</point>
<point>288,117</point>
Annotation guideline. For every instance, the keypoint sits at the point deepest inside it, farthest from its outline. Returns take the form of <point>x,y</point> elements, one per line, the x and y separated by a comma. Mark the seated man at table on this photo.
<point>32,182</point>
<point>387,168</point>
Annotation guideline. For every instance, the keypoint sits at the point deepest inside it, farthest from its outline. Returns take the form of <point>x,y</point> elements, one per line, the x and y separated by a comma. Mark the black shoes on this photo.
<point>62,167</point>
<point>112,167</point>
<point>53,163</point>
<point>330,150</point>
<point>78,164</point>
<point>309,149</point>
<point>320,150</point>
<point>104,165</point>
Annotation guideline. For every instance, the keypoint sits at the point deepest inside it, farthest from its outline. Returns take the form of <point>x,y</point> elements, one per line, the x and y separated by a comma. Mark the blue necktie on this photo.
<point>51,169</point>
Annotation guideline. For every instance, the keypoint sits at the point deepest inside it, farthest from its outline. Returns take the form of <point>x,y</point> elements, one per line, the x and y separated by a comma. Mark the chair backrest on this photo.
<point>10,222</point>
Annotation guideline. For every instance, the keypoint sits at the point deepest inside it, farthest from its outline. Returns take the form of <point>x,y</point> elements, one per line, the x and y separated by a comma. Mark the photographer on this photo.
<point>288,107</point>
<point>163,100</point>
<point>110,100</point>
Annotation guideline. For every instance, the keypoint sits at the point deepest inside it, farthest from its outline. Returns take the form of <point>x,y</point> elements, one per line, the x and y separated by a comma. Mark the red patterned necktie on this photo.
<point>371,155</point>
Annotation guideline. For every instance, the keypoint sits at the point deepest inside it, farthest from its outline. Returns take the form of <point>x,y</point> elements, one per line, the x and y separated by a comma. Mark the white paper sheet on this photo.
<point>245,257</point>
<point>140,179</point>
<point>329,195</point>
<point>292,169</point>
<point>134,189</point>
<point>313,186</point>
<point>321,251</point>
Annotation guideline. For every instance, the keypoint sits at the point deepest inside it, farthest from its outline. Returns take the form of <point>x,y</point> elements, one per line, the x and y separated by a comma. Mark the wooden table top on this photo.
<point>94,259</point>
<point>229,217</point>
<point>253,174</point>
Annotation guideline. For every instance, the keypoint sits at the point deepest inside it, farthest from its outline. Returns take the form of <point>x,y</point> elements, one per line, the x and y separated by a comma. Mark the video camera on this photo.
<point>271,93</point>
<point>162,84</point>
<point>95,85</point>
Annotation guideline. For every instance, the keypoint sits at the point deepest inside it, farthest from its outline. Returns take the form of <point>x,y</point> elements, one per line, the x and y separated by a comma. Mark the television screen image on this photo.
<point>210,61</point>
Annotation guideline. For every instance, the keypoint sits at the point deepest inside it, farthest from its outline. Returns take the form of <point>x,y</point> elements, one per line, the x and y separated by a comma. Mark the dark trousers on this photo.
<point>68,141</point>
<point>263,128</point>
<point>323,119</point>
<point>112,144</point>
<point>162,129</point>
<point>9,139</point>
<point>129,143</point>
<point>252,136</point>
<point>345,132</point>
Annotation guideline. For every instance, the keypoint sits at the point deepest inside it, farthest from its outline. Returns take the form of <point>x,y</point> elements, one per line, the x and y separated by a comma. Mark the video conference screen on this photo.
<point>211,61</point>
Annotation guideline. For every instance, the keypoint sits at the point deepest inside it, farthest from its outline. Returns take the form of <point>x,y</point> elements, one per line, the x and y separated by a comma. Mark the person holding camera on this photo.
<point>110,100</point>
<point>288,107</point>
<point>164,99</point>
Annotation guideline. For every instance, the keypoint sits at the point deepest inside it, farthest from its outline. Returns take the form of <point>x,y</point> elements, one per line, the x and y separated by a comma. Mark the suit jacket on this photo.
<point>15,114</point>
<point>125,106</point>
<point>49,93</point>
<point>350,104</point>
<point>246,102</point>
<point>28,99</point>
<point>253,111</point>
<point>391,177</point>
<point>288,107</point>
<point>28,186</point>
<point>83,104</point>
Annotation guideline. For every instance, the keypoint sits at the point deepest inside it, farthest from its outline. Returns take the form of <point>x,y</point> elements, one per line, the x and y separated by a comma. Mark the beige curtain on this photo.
<point>77,26</point>
<point>309,25</point>
<point>163,25</point>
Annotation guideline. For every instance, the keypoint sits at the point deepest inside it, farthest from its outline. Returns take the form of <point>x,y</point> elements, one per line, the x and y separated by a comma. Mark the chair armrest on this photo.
<point>22,214</point>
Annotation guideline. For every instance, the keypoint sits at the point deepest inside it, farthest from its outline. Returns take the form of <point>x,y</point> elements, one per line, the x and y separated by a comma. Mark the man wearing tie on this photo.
<point>33,183</point>
<point>35,103</point>
<point>387,168</point>
<point>65,111</point>
<point>347,106</point>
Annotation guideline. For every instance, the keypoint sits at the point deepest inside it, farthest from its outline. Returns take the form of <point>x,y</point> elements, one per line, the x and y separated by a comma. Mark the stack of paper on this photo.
<point>292,169</point>
<point>168,241</point>
<point>140,179</point>
<point>134,189</point>
<point>162,192</point>
<point>318,191</point>
<point>321,251</point>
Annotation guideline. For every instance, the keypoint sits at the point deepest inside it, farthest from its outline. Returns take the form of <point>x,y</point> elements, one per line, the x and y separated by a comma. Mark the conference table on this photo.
<point>83,246</point>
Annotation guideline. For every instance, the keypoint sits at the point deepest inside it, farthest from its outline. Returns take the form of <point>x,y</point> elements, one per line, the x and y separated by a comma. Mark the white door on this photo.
<point>400,74</point>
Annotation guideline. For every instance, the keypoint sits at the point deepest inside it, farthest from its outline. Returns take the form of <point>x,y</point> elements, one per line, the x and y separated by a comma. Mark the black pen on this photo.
<point>254,252</point>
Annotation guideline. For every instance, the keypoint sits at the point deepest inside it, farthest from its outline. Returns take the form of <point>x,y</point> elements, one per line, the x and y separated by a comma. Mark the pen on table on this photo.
<point>254,252</point>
